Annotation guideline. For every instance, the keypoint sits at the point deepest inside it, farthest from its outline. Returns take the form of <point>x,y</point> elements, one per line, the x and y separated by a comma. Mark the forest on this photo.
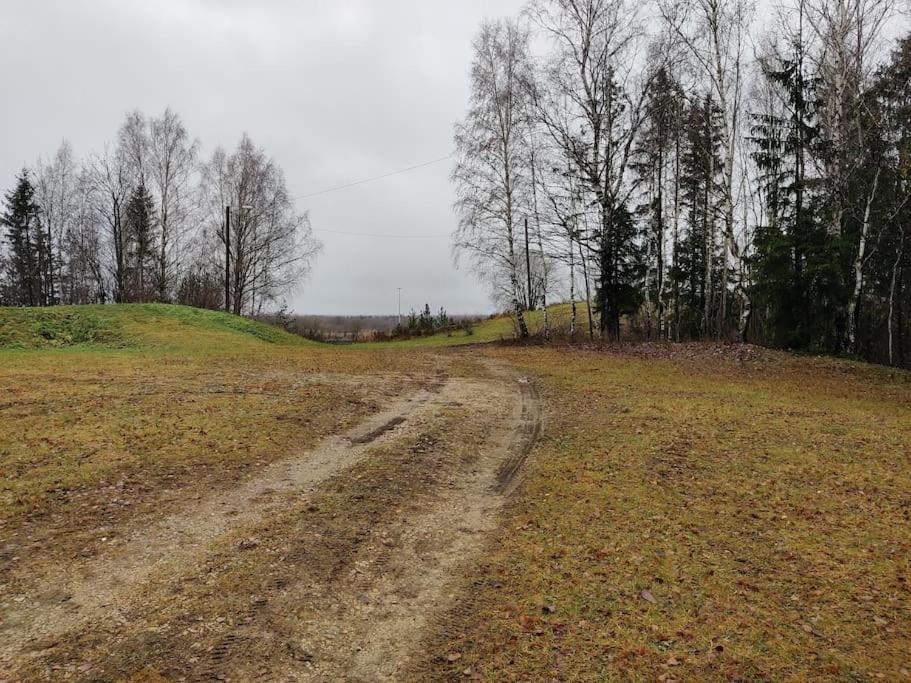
<point>145,221</point>
<point>709,169</point>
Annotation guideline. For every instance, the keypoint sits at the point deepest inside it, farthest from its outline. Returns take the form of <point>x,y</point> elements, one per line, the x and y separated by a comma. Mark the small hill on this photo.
<point>134,326</point>
<point>502,327</point>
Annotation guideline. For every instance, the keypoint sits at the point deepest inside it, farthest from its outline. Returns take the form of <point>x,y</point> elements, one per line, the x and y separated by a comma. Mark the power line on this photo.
<point>378,177</point>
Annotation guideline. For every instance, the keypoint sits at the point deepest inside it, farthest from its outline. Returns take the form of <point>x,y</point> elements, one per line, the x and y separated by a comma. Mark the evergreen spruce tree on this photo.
<point>141,236</point>
<point>617,242</point>
<point>656,167</point>
<point>29,247</point>
<point>620,293</point>
<point>794,256</point>
<point>699,255</point>
<point>891,271</point>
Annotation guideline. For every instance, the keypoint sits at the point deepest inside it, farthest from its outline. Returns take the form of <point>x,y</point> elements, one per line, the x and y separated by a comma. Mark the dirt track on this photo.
<point>328,565</point>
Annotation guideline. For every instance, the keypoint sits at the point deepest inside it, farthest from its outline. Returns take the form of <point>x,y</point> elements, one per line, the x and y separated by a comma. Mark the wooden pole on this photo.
<point>227,259</point>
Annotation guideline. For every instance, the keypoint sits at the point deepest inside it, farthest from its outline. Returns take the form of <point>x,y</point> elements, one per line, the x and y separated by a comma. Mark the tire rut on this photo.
<point>339,598</point>
<point>58,602</point>
<point>406,587</point>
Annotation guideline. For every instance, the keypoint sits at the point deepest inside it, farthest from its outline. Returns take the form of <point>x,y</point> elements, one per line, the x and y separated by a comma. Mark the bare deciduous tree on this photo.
<point>715,34</point>
<point>492,175</point>
<point>55,192</point>
<point>111,188</point>
<point>271,244</point>
<point>591,104</point>
<point>849,36</point>
<point>171,162</point>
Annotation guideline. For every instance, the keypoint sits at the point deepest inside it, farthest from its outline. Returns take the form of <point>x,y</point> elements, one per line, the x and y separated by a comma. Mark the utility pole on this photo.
<point>528,264</point>
<point>227,259</point>
<point>400,306</point>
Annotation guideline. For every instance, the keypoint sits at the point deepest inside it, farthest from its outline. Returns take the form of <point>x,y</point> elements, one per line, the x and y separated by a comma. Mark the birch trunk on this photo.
<point>894,279</point>
<point>859,261</point>
<point>572,293</point>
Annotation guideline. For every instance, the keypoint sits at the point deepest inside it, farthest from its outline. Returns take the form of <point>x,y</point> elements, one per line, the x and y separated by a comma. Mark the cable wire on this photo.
<point>374,178</point>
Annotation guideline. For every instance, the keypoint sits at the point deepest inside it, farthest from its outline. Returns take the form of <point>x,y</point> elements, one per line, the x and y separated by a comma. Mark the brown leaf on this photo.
<point>647,596</point>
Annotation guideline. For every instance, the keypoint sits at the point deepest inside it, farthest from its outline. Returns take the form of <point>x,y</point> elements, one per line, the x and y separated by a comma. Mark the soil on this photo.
<point>328,565</point>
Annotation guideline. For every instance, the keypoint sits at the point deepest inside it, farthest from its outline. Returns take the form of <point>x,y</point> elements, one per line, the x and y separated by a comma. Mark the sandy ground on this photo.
<point>329,565</point>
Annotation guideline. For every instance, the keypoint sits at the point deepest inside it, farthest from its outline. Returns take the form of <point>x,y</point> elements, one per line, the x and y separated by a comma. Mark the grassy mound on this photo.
<point>132,325</point>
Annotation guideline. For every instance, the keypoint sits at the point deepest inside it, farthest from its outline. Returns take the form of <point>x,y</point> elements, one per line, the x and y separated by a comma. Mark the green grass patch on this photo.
<point>36,328</point>
<point>161,326</point>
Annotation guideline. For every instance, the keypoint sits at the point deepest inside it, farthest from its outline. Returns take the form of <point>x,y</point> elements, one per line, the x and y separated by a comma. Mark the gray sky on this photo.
<point>335,90</point>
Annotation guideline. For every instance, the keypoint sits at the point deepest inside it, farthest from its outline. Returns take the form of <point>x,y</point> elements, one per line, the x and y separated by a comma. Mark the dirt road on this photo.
<point>329,565</point>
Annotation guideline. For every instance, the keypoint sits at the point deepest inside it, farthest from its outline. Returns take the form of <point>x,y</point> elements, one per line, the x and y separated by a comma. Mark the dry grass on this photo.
<point>83,425</point>
<point>700,514</point>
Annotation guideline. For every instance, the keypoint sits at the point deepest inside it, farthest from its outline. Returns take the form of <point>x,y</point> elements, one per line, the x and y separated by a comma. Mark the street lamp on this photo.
<point>246,207</point>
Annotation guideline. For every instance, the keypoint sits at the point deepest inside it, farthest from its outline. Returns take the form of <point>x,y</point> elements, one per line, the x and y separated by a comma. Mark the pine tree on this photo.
<point>29,263</point>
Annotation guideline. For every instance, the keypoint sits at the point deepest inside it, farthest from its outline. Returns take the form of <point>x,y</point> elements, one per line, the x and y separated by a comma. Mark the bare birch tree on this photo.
<point>55,192</point>
<point>111,179</point>
<point>492,175</point>
<point>715,35</point>
<point>849,36</point>
<point>171,163</point>
<point>591,103</point>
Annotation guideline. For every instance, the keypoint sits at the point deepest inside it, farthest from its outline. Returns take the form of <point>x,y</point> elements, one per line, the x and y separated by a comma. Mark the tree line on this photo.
<point>147,220</point>
<point>693,174</point>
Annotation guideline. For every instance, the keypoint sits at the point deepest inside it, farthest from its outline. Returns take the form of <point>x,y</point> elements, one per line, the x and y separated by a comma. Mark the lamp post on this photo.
<point>228,254</point>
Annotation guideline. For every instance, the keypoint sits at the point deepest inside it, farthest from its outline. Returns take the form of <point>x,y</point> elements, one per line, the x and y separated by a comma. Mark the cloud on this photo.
<point>335,90</point>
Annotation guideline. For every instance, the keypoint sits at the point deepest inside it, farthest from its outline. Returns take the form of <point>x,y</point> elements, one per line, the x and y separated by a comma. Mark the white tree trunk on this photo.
<point>895,268</point>
<point>859,261</point>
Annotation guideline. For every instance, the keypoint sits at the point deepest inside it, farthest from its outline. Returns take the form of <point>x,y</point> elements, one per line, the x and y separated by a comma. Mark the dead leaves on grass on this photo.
<point>728,488</point>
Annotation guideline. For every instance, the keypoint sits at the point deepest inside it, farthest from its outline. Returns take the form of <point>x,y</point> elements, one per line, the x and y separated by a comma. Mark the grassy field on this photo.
<point>691,512</point>
<point>701,513</point>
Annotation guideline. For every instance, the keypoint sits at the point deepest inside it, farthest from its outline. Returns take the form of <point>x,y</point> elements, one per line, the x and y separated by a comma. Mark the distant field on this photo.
<point>689,512</point>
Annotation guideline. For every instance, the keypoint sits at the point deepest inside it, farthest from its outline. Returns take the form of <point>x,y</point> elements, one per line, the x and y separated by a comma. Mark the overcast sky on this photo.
<point>335,90</point>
